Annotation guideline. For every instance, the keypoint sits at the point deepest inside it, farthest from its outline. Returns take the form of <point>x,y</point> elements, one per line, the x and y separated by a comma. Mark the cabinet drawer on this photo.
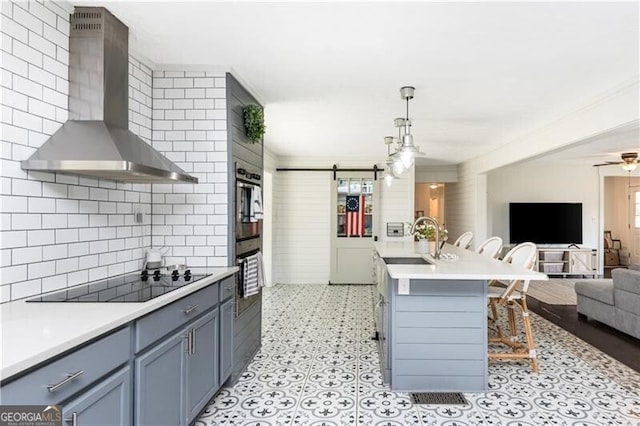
<point>227,289</point>
<point>159,323</point>
<point>70,373</point>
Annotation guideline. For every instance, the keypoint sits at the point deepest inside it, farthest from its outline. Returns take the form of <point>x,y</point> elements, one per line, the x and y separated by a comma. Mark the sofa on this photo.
<point>615,301</point>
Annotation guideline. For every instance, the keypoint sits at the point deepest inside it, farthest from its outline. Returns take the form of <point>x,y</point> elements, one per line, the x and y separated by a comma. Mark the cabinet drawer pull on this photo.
<point>190,309</point>
<point>228,287</point>
<point>193,342</point>
<point>73,420</point>
<point>70,377</point>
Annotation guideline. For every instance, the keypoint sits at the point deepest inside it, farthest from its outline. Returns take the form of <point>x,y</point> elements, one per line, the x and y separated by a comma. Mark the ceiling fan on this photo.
<point>629,161</point>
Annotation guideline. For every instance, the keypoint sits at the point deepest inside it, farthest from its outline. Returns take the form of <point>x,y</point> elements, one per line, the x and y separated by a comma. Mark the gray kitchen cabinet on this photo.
<point>226,340</point>
<point>160,378</point>
<point>59,380</point>
<point>202,364</point>
<point>108,403</point>
<point>176,378</point>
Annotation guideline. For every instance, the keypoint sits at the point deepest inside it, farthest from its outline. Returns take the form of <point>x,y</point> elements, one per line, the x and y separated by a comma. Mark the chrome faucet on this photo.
<point>434,222</point>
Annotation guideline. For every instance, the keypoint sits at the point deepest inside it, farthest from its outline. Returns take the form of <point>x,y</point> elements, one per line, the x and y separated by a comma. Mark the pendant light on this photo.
<point>398,165</point>
<point>408,151</point>
<point>389,174</point>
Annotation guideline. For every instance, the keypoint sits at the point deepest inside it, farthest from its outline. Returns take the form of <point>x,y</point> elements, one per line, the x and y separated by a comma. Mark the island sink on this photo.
<point>406,261</point>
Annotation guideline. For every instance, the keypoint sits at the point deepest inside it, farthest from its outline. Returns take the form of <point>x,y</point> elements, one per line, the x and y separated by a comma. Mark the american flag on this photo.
<point>355,215</point>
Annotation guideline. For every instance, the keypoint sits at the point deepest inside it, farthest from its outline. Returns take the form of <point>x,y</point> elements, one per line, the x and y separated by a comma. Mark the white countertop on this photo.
<point>34,332</point>
<point>468,266</point>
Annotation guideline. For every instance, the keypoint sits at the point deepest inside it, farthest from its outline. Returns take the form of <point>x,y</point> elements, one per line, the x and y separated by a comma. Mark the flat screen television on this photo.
<point>545,223</point>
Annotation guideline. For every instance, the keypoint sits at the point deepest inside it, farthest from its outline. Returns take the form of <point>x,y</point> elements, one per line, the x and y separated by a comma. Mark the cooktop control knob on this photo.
<point>175,275</point>
<point>145,275</point>
<point>156,275</point>
<point>187,275</point>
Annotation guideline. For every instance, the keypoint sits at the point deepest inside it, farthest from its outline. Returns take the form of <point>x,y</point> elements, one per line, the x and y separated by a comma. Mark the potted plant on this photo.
<point>253,122</point>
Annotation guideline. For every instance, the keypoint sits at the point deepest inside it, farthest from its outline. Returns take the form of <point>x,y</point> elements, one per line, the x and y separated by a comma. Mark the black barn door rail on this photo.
<point>334,169</point>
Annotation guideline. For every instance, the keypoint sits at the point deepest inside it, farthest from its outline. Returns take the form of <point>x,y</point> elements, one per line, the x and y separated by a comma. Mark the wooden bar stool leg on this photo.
<point>531,345</point>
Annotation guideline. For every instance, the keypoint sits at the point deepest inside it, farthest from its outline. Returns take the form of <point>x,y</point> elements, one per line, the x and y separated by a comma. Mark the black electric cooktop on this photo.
<point>124,288</point>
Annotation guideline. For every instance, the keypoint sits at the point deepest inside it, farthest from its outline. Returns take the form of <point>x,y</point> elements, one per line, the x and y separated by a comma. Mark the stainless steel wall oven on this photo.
<point>248,224</point>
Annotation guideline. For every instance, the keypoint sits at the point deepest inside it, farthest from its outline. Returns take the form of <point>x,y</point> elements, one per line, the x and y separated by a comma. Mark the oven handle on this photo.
<point>247,182</point>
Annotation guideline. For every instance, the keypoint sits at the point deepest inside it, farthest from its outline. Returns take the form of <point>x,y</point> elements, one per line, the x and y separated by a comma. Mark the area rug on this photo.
<point>555,291</point>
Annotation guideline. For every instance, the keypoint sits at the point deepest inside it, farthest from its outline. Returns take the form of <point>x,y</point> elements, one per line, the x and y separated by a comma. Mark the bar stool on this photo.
<point>491,247</point>
<point>464,240</point>
<point>514,298</point>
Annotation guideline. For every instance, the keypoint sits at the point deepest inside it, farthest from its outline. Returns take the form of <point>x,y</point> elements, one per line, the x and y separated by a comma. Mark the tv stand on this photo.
<point>567,261</point>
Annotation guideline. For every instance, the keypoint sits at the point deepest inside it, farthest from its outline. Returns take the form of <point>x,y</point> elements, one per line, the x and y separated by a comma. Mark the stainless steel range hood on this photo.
<point>96,141</point>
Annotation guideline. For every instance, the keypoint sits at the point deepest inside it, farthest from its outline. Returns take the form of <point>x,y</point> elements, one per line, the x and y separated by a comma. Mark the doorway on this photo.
<point>622,216</point>
<point>430,201</point>
<point>354,207</point>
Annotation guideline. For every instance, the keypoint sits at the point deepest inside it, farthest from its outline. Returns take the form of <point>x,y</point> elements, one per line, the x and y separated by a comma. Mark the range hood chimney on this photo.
<point>96,141</point>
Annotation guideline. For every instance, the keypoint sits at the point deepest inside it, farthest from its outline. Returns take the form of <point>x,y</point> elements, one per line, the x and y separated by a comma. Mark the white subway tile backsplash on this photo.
<point>64,205</point>
<point>107,259</point>
<point>81,277</point>
<point>26,221</point>
<point>54,190</point>
<point>12,274</point>
<point>41,238</point>
<point>41,269</point>
<point>44,78</point>
<point>106,233</point>
<point>97,220</point>
<point>25,289</point>
<point>78,249</point>
<point>66,236</point>
<point>89,207</point>
<point>78,192</point>
<point>96,247</point>
<point>89,234</point>
<point>57,282</point>
<point>88,224</point>
<point>99,194</point>
<point>68,179</point>
<point>116,195</point>
<point>53,252</point>
<point>66,265</point>
<point>13,204</point>
<point>5,258</point>
<point>78,220</point>
<point>87,262</point>
<point>50,220</point>
<point>108,207</point>
<point>116,220</point>
<point>27,187</point>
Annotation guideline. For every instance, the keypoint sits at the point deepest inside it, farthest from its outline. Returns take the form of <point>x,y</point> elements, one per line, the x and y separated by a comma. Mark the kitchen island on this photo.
<point>431,318</point>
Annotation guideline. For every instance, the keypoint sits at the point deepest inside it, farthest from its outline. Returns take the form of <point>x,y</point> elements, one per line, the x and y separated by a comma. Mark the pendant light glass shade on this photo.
<point>629,166</point>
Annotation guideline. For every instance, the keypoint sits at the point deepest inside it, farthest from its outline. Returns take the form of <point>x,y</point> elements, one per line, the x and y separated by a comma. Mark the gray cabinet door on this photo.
<point>159,395</point>
<point>226,340</point>
<point>107,403</point>
<point>202,363</point>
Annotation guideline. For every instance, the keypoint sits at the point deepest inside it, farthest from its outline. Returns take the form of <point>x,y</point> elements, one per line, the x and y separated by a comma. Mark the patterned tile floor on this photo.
<point>318,366</point>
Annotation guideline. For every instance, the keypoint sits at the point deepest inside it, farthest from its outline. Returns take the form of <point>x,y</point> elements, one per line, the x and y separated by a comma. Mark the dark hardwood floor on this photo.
<point>620,346</point>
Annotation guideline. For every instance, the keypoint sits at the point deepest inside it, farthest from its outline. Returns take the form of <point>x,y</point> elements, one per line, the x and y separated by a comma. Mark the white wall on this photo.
<point>544,183</point>
<point>58,230</point>
<point>467,199</point>
<point>302,217</point>
<point>190,128</point>
<point>301,227</point>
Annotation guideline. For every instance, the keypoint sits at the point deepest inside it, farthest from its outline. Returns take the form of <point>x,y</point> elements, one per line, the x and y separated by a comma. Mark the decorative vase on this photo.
<point>422,247</point>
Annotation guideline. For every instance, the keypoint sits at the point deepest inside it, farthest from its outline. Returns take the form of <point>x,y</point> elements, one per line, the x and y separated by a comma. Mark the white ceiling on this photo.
<point>329,73</point>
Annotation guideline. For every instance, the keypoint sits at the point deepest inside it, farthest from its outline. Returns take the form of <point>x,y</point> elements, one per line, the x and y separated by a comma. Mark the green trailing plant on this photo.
<point>253,122</point>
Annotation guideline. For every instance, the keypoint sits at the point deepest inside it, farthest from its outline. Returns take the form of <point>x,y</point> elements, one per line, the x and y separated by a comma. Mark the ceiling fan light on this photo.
<point>433,186</point>
<point>629,166</point>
